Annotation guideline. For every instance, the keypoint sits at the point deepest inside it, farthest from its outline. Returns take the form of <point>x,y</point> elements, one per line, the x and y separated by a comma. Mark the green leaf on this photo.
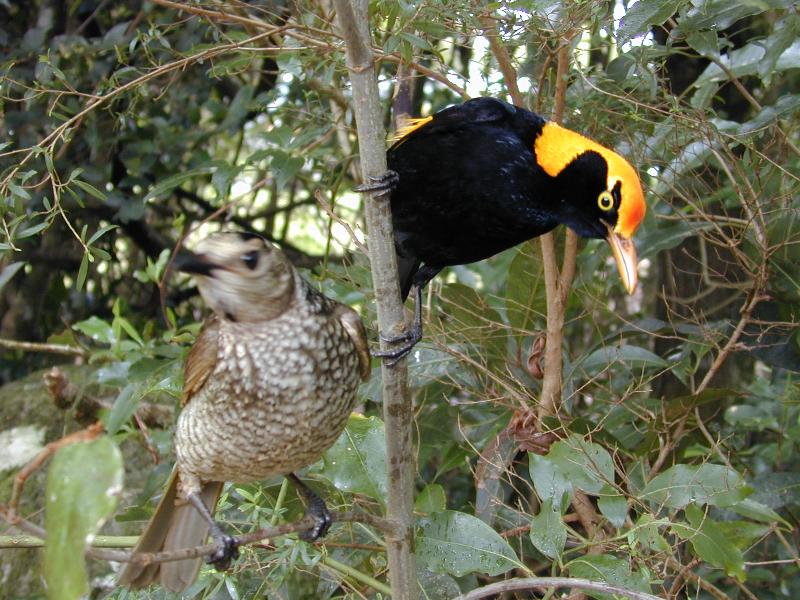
<point>91,190</point>
<point>18,191</point>
<point>705,42</point>
<point>666,237</point>
<point>97,329</point>
<point>758,512</point>
<point>776,490</point>
<point>550,481</point>
<point>710,543</point>
<point>356,462</point>
<point>457,543</point>
<point>608,568</point>
<point>285,167</point>
<point>32,230</point>
<point>170,183</point>
<point>222,178</point>
<point>586,465</point>
<point>642,15</point>
<point>646,533</point>
<point>525,298</point>
<point>124,406</point>
<point>746,61</point>
<point>81,492</point>
<point>82,271</point>
<point>431,499</point>
<point>548,531</point>
<point>100,233</point>
<point>704,484</point>
<point>9,271</point>
<point>631,356</point>
<point>613,506</point>
<point>777,44</point>
<point>238,108</point>
<point>680,405</point>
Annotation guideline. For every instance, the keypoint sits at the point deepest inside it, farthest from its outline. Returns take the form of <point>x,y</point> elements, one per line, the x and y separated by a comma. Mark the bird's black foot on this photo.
<point>227,551</point>
<point>315,508</point>
<point>227,547</point>
<point>407,340</point>
<point>384,183</point>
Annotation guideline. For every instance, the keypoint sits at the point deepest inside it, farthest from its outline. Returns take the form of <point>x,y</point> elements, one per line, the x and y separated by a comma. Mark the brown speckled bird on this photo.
<point>269,385</point>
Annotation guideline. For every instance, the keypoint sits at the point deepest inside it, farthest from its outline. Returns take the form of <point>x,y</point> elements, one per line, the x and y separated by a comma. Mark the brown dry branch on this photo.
<point>84,435</point>
<point>352,18</point>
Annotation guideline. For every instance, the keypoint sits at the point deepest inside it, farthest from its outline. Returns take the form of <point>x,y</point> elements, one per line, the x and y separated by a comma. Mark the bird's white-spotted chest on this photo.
<point>278,397</point>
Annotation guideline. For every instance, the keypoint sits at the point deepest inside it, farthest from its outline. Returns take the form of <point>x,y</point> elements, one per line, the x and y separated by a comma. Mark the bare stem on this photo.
<point>100,548</point>
<point>353,21</point>
<point>39,347</point>
<point>539,583</point>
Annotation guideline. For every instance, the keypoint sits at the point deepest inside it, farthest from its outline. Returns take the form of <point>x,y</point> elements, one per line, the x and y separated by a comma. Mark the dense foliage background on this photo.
<point>671,465</point>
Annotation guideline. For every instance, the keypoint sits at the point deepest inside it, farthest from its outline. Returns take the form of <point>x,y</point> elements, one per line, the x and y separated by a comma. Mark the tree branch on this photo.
<point>39,347</point>
<point>353,20</point>
<point>104,553</point>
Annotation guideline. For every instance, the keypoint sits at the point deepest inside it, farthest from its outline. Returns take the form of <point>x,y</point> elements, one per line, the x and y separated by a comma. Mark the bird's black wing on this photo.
<point>471,112</point>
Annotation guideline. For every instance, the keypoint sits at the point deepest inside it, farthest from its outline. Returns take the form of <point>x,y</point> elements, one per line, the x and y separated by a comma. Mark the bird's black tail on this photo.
<point>407,268</point>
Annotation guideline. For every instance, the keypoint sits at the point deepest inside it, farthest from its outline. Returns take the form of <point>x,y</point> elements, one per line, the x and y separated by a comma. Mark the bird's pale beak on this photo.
<point>625,254</point>
<point>195,264</point>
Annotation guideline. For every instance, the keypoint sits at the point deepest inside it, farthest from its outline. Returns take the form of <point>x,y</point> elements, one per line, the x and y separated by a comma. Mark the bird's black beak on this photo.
<point>195,264</point>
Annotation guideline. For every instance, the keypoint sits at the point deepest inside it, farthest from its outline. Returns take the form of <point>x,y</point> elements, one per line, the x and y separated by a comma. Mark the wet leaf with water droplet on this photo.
<point>704,484</point>
<point>548,532</point>
<point>356,462</point>
<point>457,543</point>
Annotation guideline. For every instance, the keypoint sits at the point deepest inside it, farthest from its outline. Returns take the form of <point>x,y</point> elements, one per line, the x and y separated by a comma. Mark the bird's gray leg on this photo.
<point>408,338</point>
<point>227,546</point>
<point>383,183</point>
<point>316,508</point>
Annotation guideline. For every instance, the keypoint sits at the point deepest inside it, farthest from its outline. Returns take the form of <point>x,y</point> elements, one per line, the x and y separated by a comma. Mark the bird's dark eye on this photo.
<point>250,259</point>
<point>605,201</point>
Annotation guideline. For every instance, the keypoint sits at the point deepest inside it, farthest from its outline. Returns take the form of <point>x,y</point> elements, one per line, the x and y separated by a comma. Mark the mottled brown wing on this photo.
<point>201,360</point>
<point>355,328</point>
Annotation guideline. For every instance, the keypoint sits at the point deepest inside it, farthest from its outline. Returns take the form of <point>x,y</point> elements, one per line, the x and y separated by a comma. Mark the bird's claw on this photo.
<point>322,523</point>
<point>408,339</point>
<point>383,183</point>
<point>407,336</point>
<point>227,551</point>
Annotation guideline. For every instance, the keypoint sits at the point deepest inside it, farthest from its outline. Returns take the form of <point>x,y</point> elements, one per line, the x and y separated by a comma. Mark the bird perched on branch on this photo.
<point>269,385</point>
<point>480,177</point>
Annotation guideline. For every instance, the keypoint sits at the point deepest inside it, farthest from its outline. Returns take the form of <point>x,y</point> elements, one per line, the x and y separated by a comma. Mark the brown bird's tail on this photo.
<point>173,526</point>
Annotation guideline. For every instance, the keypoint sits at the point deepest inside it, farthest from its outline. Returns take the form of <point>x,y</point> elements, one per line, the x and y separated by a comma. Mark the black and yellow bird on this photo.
<point>480,177</point>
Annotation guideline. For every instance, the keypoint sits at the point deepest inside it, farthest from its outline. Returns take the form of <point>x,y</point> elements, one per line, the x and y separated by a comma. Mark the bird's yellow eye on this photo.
<point>605,201</point>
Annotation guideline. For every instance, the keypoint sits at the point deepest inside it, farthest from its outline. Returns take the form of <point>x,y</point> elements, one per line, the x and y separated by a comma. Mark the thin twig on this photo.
<point>539,583</point>
<point>39,347</point>
<point>701,582</point>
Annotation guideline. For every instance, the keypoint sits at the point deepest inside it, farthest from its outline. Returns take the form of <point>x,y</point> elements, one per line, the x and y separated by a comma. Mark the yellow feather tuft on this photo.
<point>408,125</point>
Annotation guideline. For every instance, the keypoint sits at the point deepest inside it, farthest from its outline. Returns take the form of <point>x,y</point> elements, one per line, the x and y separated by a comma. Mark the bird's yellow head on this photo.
<point>600,192</point>
<point>241,276</point>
